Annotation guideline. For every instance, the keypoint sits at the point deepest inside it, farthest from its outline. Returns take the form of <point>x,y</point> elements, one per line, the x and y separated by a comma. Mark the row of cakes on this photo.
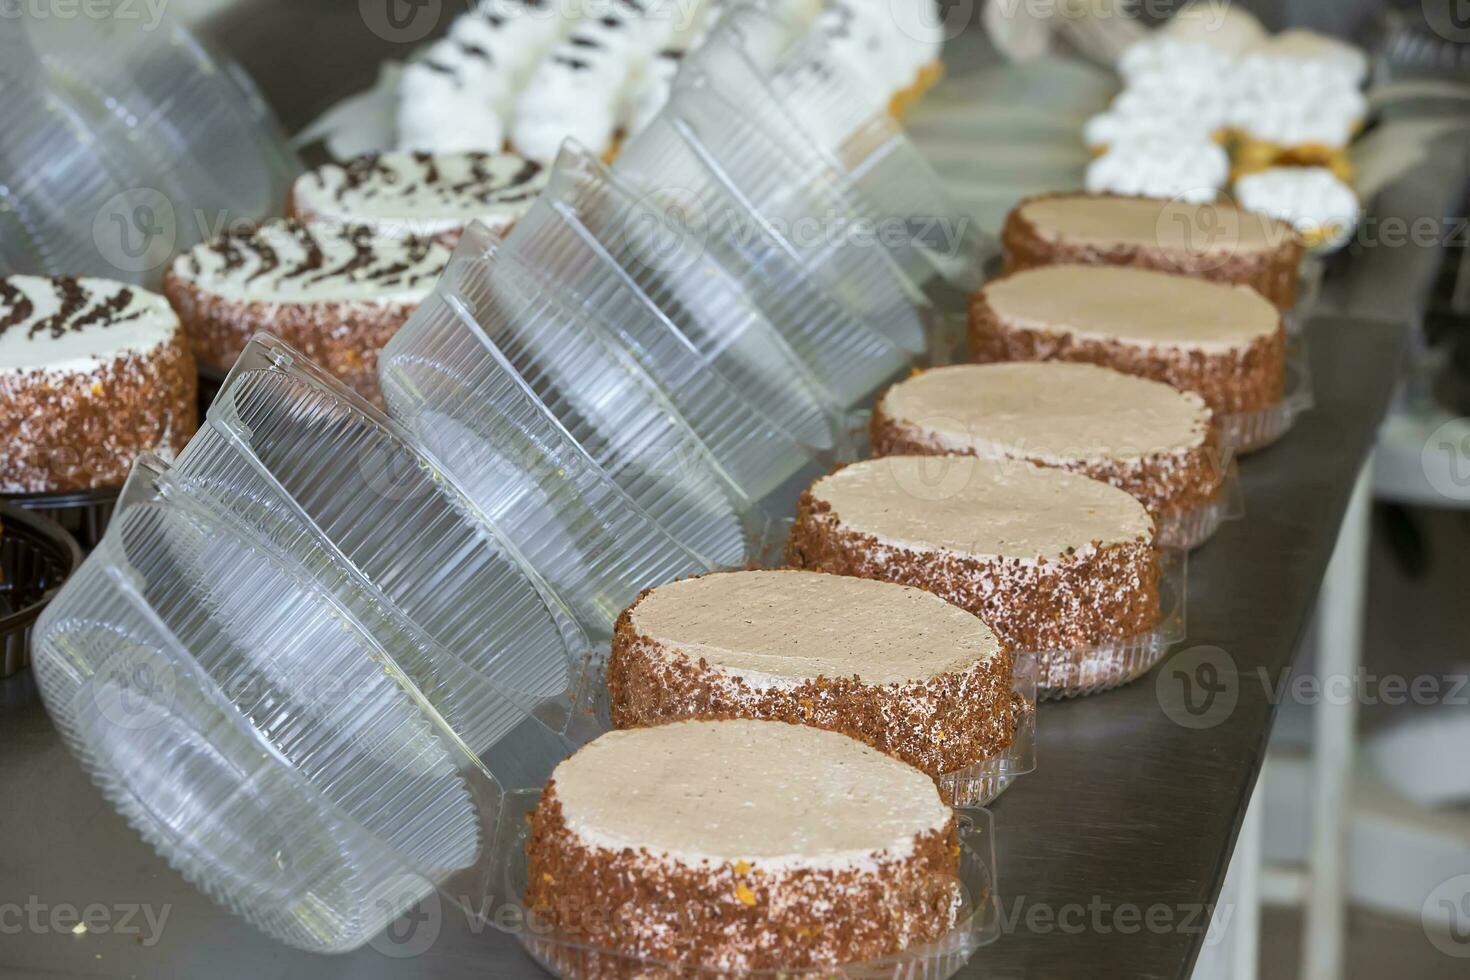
<point>526,74</point>
<point>1211,102</point>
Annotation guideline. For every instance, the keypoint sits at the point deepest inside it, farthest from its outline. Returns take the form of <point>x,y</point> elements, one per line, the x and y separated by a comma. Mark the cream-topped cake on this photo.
<point>1155,442</point>
<point>92,373</point>
<point>1216,241</point>
<point>740,846</point>
<point>1174,166</point>
<point>1049,559</point>
<point>420,195</point>
<point>1224,342</point>
<point>335,294</point>
<point>1319,206</point>
<point>895,667</point>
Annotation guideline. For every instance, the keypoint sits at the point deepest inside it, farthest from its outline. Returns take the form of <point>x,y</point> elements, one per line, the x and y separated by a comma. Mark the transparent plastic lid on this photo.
<point>560,439</point>
<point>734,380</point>
<point>252,729</point>
<point>327,478</point>
<point>799,88</point>
<point>60,186</point>
<point>198,139</point>
<point>667,167</point>
<point>748,171</point>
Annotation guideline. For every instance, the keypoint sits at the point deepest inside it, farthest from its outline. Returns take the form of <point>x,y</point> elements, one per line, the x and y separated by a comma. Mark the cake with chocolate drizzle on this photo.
<point>736,846</point>
<point>1050,560</point>
<point>921,679</point>
<point>1155,442</point>
<point>337,295</point>
<point>92,373</point>
<point>423,195</point>
<point>1226,343</point>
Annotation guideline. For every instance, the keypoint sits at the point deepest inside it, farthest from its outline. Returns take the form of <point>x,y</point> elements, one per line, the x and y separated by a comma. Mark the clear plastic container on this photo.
<point>66,198</point>
<point>1247,432</point>
<point>1193,528</point>
<point>572,957</point>
<point>741,389</point>
<point>979,784</point>
<point>801,90</point>
<point>251,729</point>
<point>677,165</point>
<point>1088,670</point>
<point>325,477</point>
<point>194,132</point>
<point>558,439</point>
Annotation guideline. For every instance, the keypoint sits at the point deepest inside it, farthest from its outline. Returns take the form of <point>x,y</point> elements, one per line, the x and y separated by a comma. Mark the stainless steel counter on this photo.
<point>1109,855</point>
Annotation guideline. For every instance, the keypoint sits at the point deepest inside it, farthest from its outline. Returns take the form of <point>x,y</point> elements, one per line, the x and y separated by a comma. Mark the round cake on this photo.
<point>1219,242</point>
<point>425,195</point>
<point>1155,442</point>
<point>1226,343</point>
<point>92,373</point>
<point>337,295</point>
<point>1050,560</point>
<point>740,846</point>
<point>902,670</point>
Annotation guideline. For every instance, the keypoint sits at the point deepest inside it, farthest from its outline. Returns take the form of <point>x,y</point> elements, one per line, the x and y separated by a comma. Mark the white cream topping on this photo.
<point>1189,169</point>
<point>1134,306</point>
<point>287,262</point>
<point>779,797</point>
<point>1050,411</point>
<point>1313,200</point>
<point>981,508</point>
<point>1113,126</point>
<point>1143,222</point>
<point>69,326</point>
<point>781,628</point>
<point>1191,63</point>
<point>404,194</point>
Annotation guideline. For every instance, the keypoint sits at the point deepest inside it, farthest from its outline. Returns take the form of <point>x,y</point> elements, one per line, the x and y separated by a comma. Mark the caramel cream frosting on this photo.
<point>1138,307</point>
<point>1146,222</point>
<point>1049,411</point>
<point>981,508</point>
<point>780,628</point>
<point>774,795</point>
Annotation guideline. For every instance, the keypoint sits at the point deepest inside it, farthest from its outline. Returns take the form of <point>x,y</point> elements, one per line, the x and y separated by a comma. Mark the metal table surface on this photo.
<point>1110,855</point>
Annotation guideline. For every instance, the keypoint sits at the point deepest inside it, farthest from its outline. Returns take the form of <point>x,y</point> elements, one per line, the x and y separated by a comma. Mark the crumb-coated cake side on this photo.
<point>1226,343</point>
<point>738,846</point>
<point>335,294</point>
<point>92,373</point>
<point>423,195</point>
<point>897,668</point>
<point>1048,559</point>
<point>1155,442</point>
<point>1216,241</point>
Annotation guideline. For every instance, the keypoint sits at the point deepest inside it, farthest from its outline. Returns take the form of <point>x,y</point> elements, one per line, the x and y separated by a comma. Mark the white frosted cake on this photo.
<point>1049,559</point>
<point>92,373</point>
<point>739,846</point>
<point>895,667</point>
<point>420,195</point>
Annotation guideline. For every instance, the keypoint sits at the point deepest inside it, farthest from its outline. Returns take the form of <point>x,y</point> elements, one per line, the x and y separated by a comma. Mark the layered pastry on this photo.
<point>899,669</point>
<point>1174,166</point>
<point>738,846</point>
<point>420,195</point>
<point>1219,241</point>
<point>1318,205</point>
<point>528,74</point>
<point>1050,560</point>
<point>335,294</point>
<point>1155,442</point>
<point>1227,343</point>
<point>92,373</point>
